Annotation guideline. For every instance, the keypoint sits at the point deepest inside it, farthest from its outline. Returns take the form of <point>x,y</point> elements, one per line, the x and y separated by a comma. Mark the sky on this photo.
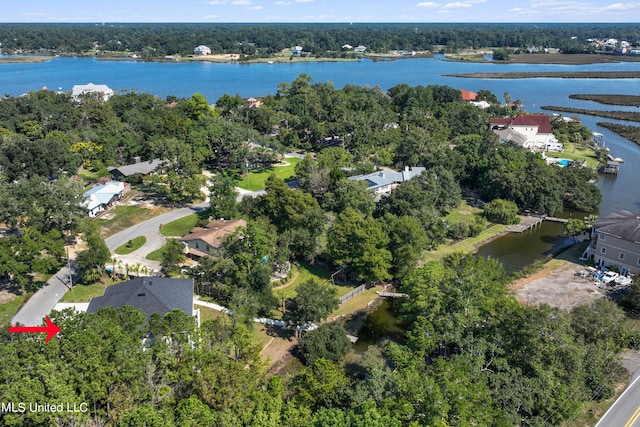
<point>356,11</point>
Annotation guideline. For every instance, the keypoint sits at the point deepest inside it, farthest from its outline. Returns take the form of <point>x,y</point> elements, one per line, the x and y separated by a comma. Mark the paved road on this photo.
<point>625,412</point>
<point>42,302</point>
<point>155,240</point>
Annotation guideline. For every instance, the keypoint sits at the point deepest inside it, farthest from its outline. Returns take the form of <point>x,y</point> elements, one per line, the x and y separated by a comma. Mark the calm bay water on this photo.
<point>213,80</point>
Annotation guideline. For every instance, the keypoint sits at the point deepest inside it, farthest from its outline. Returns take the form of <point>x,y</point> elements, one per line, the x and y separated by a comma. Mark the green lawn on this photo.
<point>306,272</point>
<point>9,309</point>
<point>132,245</point>
<point>359,302</point>
<point>180,226</point>
<point>255,180</point>
<point>467,245</point>
<point>464,213</point>
<point>84,293</point>
<point>157,254</point>
<point>207,313</point>
<point>576,152</point>
<point>125,217</point>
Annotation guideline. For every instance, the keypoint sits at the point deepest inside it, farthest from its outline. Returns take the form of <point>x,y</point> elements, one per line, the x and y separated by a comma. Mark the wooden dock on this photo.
<point>554,219</point>
<point>392,294</point>
<point>527,222</point>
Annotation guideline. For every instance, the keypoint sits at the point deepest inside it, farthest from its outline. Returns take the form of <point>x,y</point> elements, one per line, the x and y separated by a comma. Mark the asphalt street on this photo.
<point>625,412</point>
<point>42,302</point>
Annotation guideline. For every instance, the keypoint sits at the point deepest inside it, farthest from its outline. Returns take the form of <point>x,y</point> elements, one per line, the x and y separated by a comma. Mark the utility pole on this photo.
<point>69,269</point>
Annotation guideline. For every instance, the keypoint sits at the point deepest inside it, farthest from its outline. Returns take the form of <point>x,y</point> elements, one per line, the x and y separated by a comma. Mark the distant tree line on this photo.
<point>158,40</point>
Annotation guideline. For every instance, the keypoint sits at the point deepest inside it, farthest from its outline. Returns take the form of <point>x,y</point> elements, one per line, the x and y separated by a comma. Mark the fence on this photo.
<point>352,293</point>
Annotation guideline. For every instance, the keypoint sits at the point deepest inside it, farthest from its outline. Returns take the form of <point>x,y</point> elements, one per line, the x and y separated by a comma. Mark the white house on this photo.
<point>101,197</point>
<point>383,182</point>
<point>79,90</point>
<point>296,50</point>
<point>202,50</point>
<point>531,131</point>
<point>360,48</point>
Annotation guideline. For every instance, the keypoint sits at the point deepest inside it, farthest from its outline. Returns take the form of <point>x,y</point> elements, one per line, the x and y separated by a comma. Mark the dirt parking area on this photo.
<point>558,287</point>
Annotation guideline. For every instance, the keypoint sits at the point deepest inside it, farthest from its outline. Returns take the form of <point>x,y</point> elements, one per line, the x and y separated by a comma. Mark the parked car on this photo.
<point>623,280</point>
<point>609,277</point>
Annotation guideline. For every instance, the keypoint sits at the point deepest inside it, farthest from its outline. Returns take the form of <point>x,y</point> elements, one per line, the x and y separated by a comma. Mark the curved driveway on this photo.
<point>155,240</point>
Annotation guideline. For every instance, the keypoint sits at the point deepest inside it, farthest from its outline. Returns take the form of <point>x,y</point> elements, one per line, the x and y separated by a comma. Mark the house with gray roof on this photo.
<point>138,167</point>
<point>159,295</point>
<point>384,181</point>
<point>616,242</point>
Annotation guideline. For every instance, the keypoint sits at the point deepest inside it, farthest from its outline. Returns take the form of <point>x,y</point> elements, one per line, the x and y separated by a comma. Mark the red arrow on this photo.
<point>51,329</point>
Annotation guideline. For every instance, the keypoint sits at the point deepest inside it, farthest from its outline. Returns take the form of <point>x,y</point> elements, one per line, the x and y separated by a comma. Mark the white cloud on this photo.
<point>456,5</point>
<point>211,17</point>
<point>218,2</point>
<point>255,8</point>
<point>427,4</point>
<point>620,6</point>
<point>281,3</point>
<point>33,14</point>
<point>303,1</point>
<point>241,3</point>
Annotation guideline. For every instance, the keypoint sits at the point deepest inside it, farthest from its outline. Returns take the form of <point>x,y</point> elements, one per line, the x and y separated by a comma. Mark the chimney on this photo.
<point>136,159</point>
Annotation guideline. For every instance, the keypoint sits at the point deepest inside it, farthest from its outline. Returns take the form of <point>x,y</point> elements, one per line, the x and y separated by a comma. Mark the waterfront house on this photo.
<point>296,50</point>
<point>360,49</point>
<point>207,241</point>
<point>384,181</point>
<point>202,50</point>
<point>468,95</point>
<point>78,91</point>
<point>615,242</point>
<point>531,131</point>
<point>138,167</point>
<point>102,197</point>
<point>159,295</point>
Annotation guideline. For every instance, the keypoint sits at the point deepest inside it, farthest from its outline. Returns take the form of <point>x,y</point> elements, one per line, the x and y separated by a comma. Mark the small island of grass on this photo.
<point>131,246</point>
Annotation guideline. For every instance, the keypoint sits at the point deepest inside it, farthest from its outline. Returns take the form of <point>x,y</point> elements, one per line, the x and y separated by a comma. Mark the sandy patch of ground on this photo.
<point>558,287</point>
<point>5,297</point>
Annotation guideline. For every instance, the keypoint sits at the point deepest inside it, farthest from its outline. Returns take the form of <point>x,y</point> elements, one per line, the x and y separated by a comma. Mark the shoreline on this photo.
<point>551,75</point>
<point>556,58</point>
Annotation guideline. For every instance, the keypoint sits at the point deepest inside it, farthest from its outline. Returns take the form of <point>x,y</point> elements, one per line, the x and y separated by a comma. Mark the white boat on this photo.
<point>623,281</point>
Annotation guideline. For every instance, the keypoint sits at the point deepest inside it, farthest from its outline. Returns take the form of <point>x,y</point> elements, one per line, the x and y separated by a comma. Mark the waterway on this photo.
<point>215,79</point>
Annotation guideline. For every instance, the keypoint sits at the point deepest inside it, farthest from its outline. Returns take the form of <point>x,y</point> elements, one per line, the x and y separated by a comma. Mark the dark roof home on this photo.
<point>616,242</point>
<point>159,295</point>
<point>139,167</point>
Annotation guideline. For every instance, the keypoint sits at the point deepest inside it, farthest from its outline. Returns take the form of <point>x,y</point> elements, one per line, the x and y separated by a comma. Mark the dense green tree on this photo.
<point>321,384</point>
<point>92,260</point>
<point>313,302</point>
<point>360,244</point>
<point>222,196</point>
<point>407,241</point>
<point>172,256</point>
<point>575,227</point>
<point>501,211</point>
<point>328,341</point>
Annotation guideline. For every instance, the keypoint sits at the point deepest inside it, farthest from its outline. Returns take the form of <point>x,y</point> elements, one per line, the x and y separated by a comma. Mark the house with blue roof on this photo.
<point>384,181</point>
<point>103,196</point>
